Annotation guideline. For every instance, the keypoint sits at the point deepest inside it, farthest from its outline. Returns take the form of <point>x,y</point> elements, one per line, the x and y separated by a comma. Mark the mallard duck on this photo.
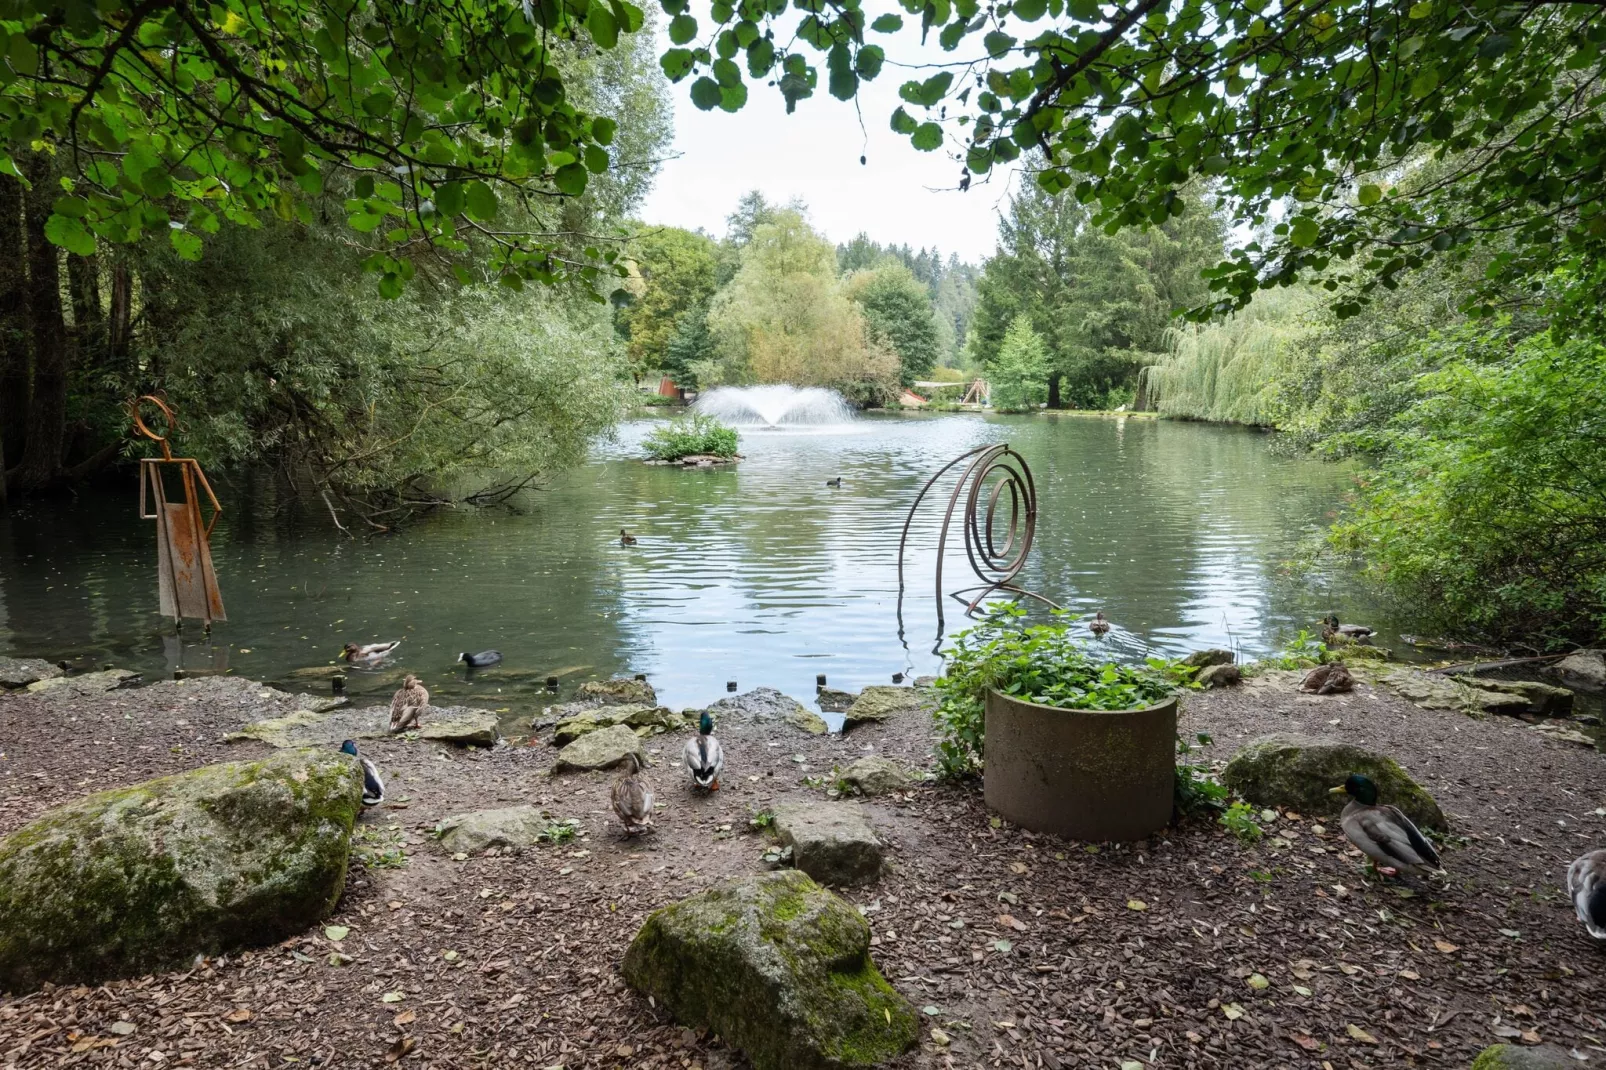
<point>1328,679</point>
<point>408,704</point>
<point>480,660</point>
<point>369,651</point>
<point>625,538</point>
<point>837,482</point>
<point>1331,627</point>
<point>1383,833</point>
<point>1586,883</point>
<point>632,798</point>
<point>373,788</point>
<point>704,756</point>
<point>1098,625</point>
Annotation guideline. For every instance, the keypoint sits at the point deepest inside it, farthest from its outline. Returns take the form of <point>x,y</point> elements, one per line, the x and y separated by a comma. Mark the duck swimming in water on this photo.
<point>704,757</point>
<point>1331,628</point>
<point>480,660</point>
<point>357,652</point>
<point>1384,834</point>
<point>837,482</point>
<point>625,538</point>
<point>407,705</point>
<point>1098,625</point>
<point>373,788</point>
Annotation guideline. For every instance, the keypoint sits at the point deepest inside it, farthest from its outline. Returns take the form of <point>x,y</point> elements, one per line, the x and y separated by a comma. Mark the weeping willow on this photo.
<point>1232,370</point>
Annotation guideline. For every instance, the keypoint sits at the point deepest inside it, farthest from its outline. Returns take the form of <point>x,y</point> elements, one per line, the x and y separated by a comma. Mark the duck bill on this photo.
<point>1340,790</point>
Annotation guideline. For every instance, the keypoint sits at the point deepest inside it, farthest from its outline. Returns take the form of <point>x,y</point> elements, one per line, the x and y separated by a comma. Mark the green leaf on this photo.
<point>869,61</point>
<point>1304,231</point>
<point>596,159</point>
<point>480,201</point>
<point>705,93</point>
<point>449,198</point>
<point>187,245</point>
<point>571,179</point>
<point>887,24</point>
<point>1084,10</point>
<point>1369,194</point>
<point>604,29</point>
<point>677,63</point>
<point>927,137</point>
<point>1030,10</point>
<point>682,28</point>
<point>903,122</point>
<point>998,43</point>
<point>70,234</point>
<point>336,933</point>
<point>603,129</point>
<point>1421,10</point>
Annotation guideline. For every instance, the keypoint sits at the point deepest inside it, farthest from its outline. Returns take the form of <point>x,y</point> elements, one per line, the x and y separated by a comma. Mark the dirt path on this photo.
<point>1022,950</point>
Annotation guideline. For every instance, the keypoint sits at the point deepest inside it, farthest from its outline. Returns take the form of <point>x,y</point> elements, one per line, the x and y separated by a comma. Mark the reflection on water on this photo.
<point>759,573</point>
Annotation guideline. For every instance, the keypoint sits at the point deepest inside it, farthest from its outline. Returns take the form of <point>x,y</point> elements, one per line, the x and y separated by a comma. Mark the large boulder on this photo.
<point>646,720</point>
<point>834,699</point>
<point>871,775</point>
<point>765,705</point>
<point>831,842</point>
<point>462,725</point>
<point>777,966</point>
<point>1297,772</point>
<point>1203,659</point>
<point>1539,699</point>
<point>1586,669</point>
<point>146,877</point>
<point>20,672</point>
<point>84,684</point>
<point>1225,674</point>
<point>602,749</point>
<point>1514,1057</point>
<point>880,702</point>
<point>512,826</point>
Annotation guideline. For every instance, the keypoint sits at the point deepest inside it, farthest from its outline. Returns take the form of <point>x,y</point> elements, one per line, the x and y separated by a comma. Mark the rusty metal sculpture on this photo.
<point>186,584</point>
<point>994,471</point>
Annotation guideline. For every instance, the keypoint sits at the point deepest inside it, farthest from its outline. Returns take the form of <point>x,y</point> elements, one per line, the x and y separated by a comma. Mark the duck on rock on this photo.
<point>363,652</point>
<point>632,798</point>
<point>1384,834</point>
<point>373,788</point>
<point>704,757</point>
<point>480,660</point>
<point>1586,884</point>
<point>407,704</point>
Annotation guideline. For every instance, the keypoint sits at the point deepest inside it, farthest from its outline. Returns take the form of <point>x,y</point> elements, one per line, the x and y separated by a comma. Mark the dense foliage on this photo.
<point>1041,663</point>
<point>1019,374</point>
<point>673,277</point>
<point>897,312</point>
<point>691,435</point>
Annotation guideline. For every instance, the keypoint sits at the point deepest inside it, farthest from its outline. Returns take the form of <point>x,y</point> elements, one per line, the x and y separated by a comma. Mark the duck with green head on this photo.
<point>704,756</point>
<point>1384,834</point>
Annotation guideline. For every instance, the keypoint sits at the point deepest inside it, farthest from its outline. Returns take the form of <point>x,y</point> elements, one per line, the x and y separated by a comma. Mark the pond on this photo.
<point>759,573</point>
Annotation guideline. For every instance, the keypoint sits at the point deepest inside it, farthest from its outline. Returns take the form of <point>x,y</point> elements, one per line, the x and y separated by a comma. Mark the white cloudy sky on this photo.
<point>899,195</point>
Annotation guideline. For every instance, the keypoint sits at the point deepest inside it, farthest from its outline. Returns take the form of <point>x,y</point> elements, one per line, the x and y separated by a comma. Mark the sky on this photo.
<point>899,196</point>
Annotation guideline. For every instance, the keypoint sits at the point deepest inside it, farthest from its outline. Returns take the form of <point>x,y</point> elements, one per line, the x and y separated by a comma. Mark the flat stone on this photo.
<point>1356,650</point>
<point>880,702</point>
<point>145,877</point>
<point>618,692</point>
<point>1587,669</point>
<point>513,826</point>
<point>1432,691</point>
<point>831,842</point>
<point>85,684</point>
<point>835,700</point>
<point>765,705</point>
<point>20,672</point>
<point>602,749</point>
<point>874,776</point>
<point>462,725</point>
<point>1546,700</point>
<point>779,968</point>
<point>1201,659</point>
<point>1562,732</point>
<point>1296,772</point>
<point>645,720</point>
<point>1513,1057</point>
<point>1218,675</point>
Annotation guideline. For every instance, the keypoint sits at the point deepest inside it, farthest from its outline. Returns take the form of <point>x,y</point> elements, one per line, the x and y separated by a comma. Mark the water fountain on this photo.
<point>775,405</point>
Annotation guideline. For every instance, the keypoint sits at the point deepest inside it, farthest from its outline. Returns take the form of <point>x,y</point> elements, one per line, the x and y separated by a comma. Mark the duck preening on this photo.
<point>373,788</point>
<point>632,798</point>
<point>369,651</point>
<point>480,660</point>
<point>1328,679</point>
<point>625,538</point>
<point>1331,628</point>
<point>1383,833</point>
<point>837,482</point>
<point>407,705</point>
<point>1098,625</point>
<point>1586,884</point>
<point>704,756</point>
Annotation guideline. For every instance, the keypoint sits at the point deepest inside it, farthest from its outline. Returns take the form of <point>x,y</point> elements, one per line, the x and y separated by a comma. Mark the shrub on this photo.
<point>688,435</point>
<point>1239,820</point>
<point>1042,663</point>
<point>1196,789</point>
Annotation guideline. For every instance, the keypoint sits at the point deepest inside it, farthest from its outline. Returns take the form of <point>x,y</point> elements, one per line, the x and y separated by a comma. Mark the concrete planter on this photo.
<point>1081,774</point>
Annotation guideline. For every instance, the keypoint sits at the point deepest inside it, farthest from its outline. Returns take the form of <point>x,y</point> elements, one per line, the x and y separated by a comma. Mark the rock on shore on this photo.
<point>1296,772</point>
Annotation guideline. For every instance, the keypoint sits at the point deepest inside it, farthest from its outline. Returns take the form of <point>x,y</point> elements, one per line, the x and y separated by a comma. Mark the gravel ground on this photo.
<point>1189,950</point>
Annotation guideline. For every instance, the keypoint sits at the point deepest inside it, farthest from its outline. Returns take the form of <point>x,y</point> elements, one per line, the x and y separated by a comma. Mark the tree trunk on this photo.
<point>14,347</point>
<point>47,417</point>
<point>1054,391</point>
<point>120,322</point>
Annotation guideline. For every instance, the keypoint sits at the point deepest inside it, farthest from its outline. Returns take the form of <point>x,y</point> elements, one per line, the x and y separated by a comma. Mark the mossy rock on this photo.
<point>646,720</point>
<point>1512,1057</point>
<point>873,775</point>
<point>1351,652</point>
<point>85,684</point>
<point>20,672</point>
<point>880,702</point>
<point>777,966</point>
<point>1296,772</point>
<point>602,749</point>
<point>144,878</point>
<point>764,705</point>
<point>832,842</point>
<point>621,692</point>
<point>835,700</point>
<point>509,827</point>
<point>1203,659</point>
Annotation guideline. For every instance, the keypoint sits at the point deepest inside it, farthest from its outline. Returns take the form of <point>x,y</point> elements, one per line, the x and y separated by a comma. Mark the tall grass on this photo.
<point>1234,370</point>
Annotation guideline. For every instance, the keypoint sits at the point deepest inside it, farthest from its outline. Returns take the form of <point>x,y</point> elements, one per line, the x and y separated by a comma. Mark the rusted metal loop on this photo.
<point>144,429</point>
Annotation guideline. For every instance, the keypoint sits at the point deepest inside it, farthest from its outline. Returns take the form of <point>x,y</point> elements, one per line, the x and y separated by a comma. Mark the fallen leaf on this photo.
<point>1308,1043</point>
<point>624,1051</point>
<point>1446,947</point>
<point>1131,1064</point>
<point>336,933</point>
<point>1509,1032</point>
<point>1002,945</point>
<point>1009,921</point>
<point>1258,983</point>
<point>931,1010</point>
<point>1513,933</point>
<point>996,823</point>
<point>337,959</point>
<point>1360,1034</point>
<point>406,1017</point>
<point>1302,990</point>
<point>400,1049</point>
<point>1232,1011</point>
<point>238,1014</point>
<point>1410,975</point>
<point>1136,904</point>
<point>940,1038</point>
<point>391,997</point>
<point>122,1029</point>
<point>449,956</point>
<point>1349,971</point>
<point>1017,867</point>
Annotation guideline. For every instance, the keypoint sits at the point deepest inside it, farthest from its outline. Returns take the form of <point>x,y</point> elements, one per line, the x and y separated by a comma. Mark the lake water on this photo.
<point>758,573</point>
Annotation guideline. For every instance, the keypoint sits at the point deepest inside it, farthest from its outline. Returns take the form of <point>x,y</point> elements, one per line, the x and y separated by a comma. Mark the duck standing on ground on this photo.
<point>369,651</point>
<point>1383,833</point>
<point>705,758</point>
<point>480,660</point>
<point>625,538</point>
<point>1586,884</point>
<point>1328,679</point>
<point>632,798</point>
<point>373,788</point>
<point>408,704</point>
<point>1098,625</point>
<point>837,482</point>
<point>1331,628</point>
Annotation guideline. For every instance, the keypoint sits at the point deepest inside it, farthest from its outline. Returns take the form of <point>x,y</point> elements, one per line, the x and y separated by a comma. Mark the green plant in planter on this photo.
<point>691,434</point>
<point>1041,663</point>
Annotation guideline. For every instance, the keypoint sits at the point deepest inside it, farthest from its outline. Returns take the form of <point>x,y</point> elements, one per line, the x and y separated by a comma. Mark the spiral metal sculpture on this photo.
<point>995,474</point>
